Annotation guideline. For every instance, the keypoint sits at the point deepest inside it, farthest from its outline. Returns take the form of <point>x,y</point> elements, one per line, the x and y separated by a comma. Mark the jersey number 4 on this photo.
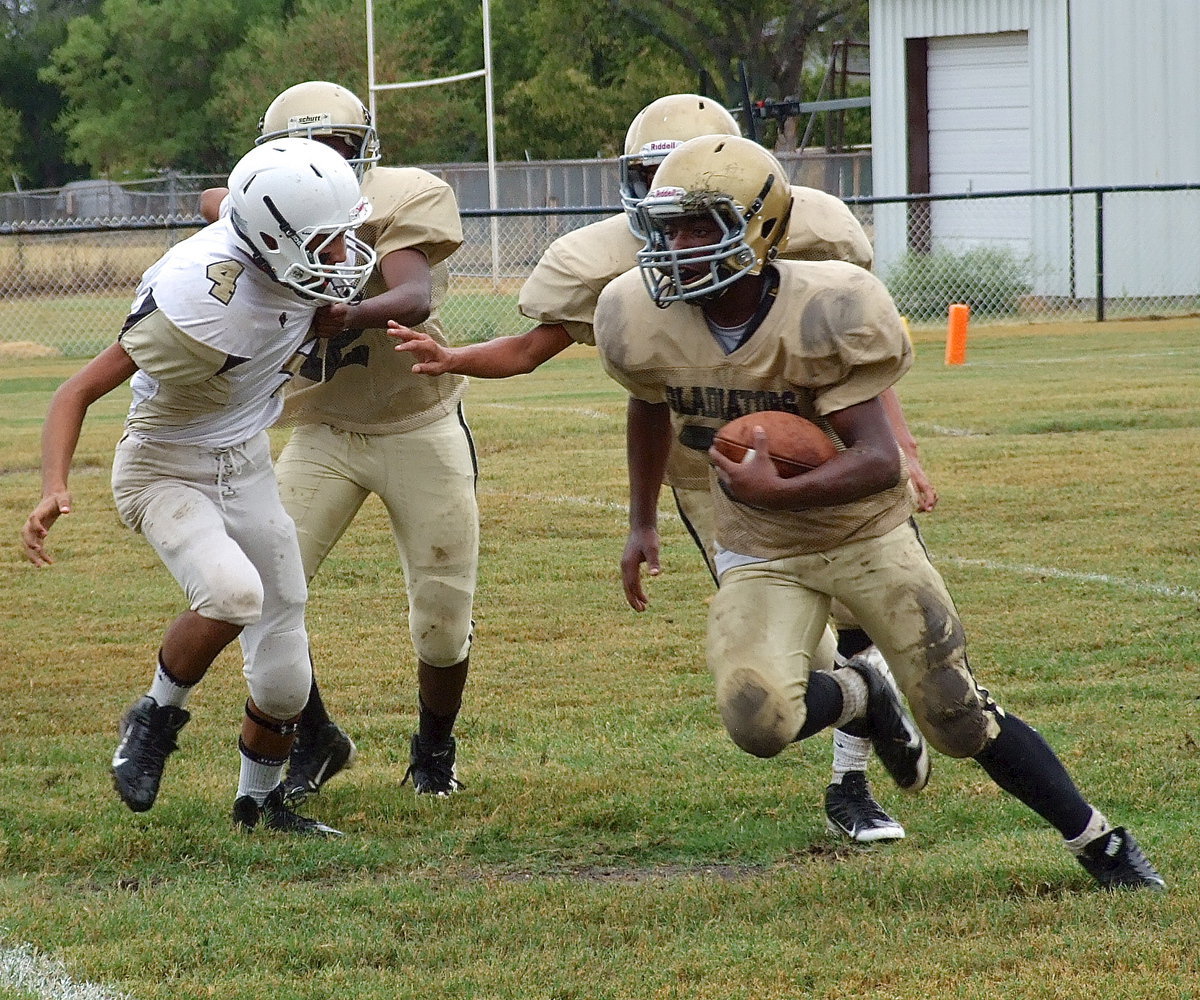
<point>224,275</point>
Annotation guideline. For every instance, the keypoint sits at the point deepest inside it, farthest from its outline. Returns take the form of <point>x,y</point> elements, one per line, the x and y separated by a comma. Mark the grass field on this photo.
<point>611,842</point>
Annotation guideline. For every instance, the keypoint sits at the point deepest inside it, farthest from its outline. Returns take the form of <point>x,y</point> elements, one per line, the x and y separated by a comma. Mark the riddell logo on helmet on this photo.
<point>660,146</point>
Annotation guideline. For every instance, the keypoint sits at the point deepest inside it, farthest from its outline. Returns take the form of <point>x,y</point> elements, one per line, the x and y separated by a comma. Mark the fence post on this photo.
<point>1099,256</point>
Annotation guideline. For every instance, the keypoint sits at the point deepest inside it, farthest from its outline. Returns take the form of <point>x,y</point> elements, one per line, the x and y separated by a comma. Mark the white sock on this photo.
<point>854,695</point>
<point>258,778</point>
<point>1097,826</point>
<point>850,753</point>
<point>166,690</point>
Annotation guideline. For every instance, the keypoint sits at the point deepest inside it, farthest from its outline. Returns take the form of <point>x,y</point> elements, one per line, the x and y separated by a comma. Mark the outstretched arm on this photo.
<point>60,436</point>
<point>498,358</point>
<point>647,446</point>
<point>407,299</point>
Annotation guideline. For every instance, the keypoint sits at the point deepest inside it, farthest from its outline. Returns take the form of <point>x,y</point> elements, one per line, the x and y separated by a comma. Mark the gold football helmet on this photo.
<point>658,128</point>
<point>316,109</point>
<point>722,179</point>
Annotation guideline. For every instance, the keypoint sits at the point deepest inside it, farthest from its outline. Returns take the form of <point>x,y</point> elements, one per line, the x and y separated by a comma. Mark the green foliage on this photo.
<point>136,86</point>
<point>138,76</point>
<point>325,40</point>
<point>29,32</point>
<point>775,40</point>
<point>10,143</point>
<point>988,279</point>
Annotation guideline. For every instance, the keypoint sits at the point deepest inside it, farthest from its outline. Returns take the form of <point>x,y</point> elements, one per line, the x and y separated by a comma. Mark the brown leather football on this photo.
<point>795,444</point>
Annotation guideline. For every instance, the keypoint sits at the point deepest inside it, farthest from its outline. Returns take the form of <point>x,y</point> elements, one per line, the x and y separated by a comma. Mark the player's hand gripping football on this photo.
<point>37,526</point>
<point>431,357</point>
<point>754,480</point>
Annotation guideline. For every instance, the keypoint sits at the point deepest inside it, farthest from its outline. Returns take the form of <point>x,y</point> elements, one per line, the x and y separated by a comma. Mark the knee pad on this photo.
<point>440,622</point>
<point>230,594</point>
<point>951,713</point>
<point>757,717</point>
<point>280,673</point>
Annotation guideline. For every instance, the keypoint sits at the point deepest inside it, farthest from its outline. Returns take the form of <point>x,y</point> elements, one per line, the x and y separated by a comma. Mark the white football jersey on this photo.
<point>215,339</point>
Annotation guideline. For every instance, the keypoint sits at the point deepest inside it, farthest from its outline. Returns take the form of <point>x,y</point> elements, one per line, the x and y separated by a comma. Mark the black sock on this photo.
<point>431,728</point>
<point>1021,762</point>
<point>851,642</point>
<point>314,714</point>
<point>822,704</point>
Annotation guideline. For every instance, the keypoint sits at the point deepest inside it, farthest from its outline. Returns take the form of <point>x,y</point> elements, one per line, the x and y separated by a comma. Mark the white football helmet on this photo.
<point>288,200</point>
<point>726,179</point>
<point>317,108</point>
<point>658,128</point>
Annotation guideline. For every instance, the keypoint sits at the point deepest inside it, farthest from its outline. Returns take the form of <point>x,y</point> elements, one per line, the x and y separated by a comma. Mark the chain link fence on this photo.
<point>1081,254</point>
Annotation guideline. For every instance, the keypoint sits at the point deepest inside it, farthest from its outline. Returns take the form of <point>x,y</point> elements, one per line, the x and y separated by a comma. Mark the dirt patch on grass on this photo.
<point>28,349</point>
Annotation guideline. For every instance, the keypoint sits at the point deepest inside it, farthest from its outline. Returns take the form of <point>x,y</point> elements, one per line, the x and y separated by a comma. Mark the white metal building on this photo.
<point>993,95</point>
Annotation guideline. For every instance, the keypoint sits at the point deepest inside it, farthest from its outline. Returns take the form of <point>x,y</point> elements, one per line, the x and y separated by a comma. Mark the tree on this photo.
<point>588,71</point>
<point>775,39</point>
<point>552,100</point>
<point>10,140</point>
<point>29,32</point>
<point>326,40</point>
<point>137,76</point>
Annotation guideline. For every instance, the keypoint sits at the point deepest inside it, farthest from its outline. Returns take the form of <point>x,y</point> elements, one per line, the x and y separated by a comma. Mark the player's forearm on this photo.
<point>648,445</point>
<point>60,437</point>
<point>68,407</point>
<point>895,415</point>
<point>504,357</point>
<point>407,306</point>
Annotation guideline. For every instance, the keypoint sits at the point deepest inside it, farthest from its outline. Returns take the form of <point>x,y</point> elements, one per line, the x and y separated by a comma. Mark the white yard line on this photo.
<point>22,968</point>
<point>1014,569</point>
<point>1097,358</point>
<point>557,410</point>
<point>1104,579</point>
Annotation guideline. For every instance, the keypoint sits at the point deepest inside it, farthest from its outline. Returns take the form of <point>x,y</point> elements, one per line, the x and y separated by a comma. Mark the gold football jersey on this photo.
<point>566,283</point>
<point>571,274</point>
<point>831,339</point>
<point>357,381</point>
<point>822,227</point>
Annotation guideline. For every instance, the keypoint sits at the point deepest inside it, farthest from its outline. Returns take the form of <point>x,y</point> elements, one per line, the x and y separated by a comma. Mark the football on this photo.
<point>794,444</point>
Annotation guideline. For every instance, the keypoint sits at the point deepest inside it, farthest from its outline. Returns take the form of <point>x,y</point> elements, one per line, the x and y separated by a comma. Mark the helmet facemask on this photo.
<point>637,180</point>
<point>695,272</point>
<point>739,190</point>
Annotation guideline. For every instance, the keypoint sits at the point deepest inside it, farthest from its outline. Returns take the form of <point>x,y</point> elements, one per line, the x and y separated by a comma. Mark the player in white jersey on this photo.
<point>560,296</point>
<point>212,337</point>
<point>364,423</point>
<point>711,326</point>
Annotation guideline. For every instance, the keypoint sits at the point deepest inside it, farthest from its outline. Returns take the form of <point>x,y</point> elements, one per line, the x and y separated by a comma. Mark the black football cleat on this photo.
<point>317,756</point>
<point>1116,862</point>
<point>277,814</point>
<point>894,735</point>
<point>431,768</point>
<point>851,811</point>
<point>149,734</point>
